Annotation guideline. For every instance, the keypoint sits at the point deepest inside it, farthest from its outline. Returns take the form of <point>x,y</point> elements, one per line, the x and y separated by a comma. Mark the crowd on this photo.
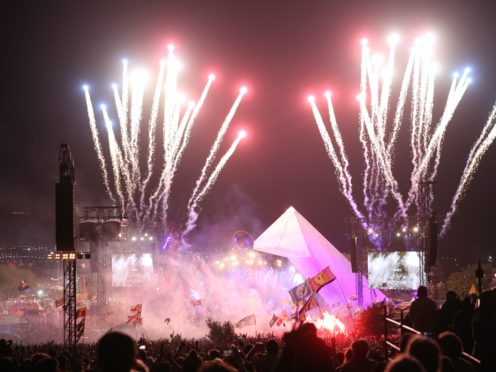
<point>301,349</point>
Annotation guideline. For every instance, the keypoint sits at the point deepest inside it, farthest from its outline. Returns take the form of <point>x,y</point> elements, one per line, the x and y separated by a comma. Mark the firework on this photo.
<point>378,137</point>
<point>142,172</point>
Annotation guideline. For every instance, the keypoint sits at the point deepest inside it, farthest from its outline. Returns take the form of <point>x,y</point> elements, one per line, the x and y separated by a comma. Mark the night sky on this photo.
<point>282,50</point>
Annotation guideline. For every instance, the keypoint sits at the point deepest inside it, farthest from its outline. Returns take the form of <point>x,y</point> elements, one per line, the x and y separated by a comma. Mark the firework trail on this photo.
<point>96,142</point>
<point>162,192</point>
<point>143,179</point>
<point>193,209</point>
<point>215,147</point>
<point>378,138</point>
<point>476,153</point>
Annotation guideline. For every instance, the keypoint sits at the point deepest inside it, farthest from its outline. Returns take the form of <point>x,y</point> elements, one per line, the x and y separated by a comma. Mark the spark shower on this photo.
<point>385,208</point>
<point>138,177</point>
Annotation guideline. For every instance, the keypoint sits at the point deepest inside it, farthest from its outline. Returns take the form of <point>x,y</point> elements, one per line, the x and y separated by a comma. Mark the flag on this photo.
<point>273,321</point>
<point>309,305</point>
<point>321,279</point>
<point>59,302</point>
<point>300,292</point>
<point>135,316</point>
<point>81,312</point>
<point>196,302</point>
<point>135,319</point>
<point>246,321</point>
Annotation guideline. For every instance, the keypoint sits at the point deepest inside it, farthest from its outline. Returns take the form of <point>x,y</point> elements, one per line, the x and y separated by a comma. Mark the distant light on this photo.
<point>142,238</point>
<point>211,77</point>
<point>150,238</point>
<point>398,234</point>
<point>243,89</point>
<point>467,70</point>
<point>125,61</point>
<point>86,87</point>
<point>364,41</point>
<point>311,99</point>
<point>133,238</point>
<point>242,134</point>
<point>328,94</point>
<point>103,107</point>
<point>170,47</point>
<point>114,86</point>
<point>370,231</point>
<point>40,293</point>
<point>415,229</point>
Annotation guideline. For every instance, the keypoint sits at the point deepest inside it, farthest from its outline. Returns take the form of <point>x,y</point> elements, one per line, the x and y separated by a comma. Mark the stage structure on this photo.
<point>359,246</point>
<point>65,237</point>
<point>99,226</point>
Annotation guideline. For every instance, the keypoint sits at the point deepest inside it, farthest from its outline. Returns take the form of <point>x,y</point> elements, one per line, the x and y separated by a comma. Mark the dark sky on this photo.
<point>282,50</point>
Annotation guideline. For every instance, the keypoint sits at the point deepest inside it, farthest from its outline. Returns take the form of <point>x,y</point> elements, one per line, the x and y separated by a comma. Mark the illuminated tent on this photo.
<point>293,237</point>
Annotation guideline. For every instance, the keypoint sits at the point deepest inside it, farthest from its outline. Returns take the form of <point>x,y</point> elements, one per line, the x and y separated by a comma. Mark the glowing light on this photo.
<point>328,322</point>
<point>170,47</point>
<point>298,278</point>
<point>86,87</point>
<point>242,133</point>
<point>311,99</point>
<point>125,61</point>
<point>364,42</point>
<point>211,77</point>
<point>328,94</point>
<point>243,90</point>
<point>394,38</point>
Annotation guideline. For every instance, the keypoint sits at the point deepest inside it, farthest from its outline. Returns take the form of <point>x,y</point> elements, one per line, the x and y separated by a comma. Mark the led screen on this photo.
<point>394,270</point>
<point>130,270</point>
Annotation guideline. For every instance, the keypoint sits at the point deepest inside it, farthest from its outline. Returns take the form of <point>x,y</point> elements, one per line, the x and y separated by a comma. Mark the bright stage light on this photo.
<point>170,47</point>
<point>328,94</point>
<point>86,87</point>
<point>311,99</point>
<point>243,90</point>
<point>113,86</point>
<point>103,107</point>
<point>125,61</point>
<point>242,133</point>
<point>364,41</point>
<point>211,77</point>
